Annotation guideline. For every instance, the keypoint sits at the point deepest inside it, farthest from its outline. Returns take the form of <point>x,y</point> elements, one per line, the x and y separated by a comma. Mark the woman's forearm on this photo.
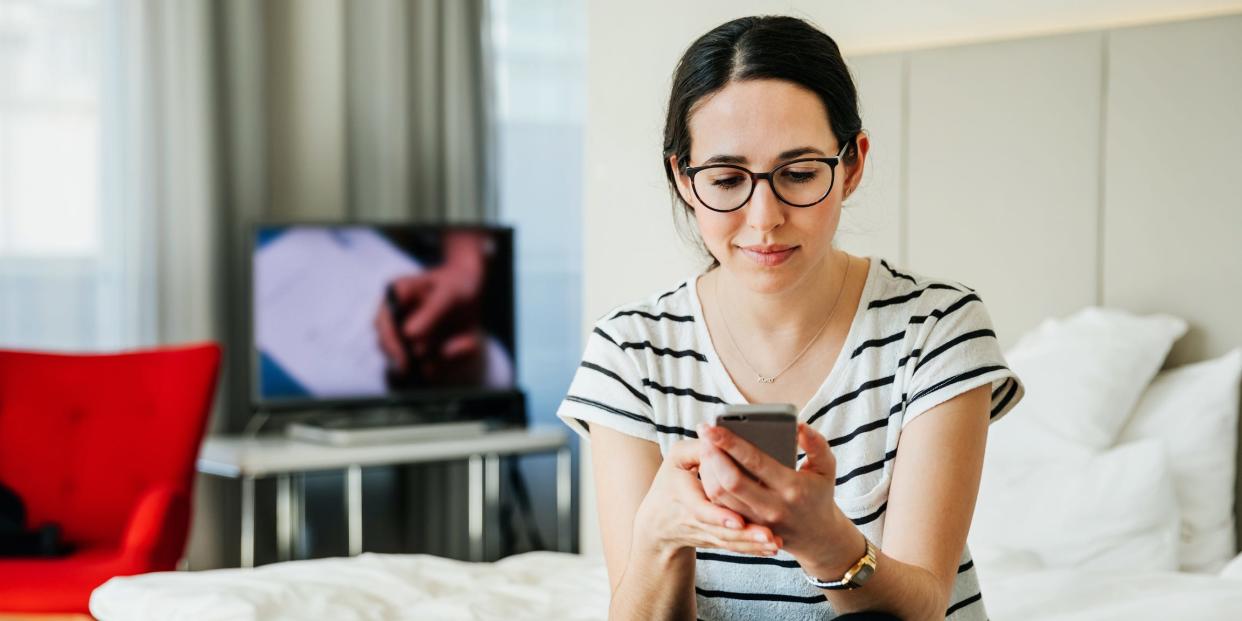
<point>657,584</point>
<point>907,591</point>
<point>910,592</point>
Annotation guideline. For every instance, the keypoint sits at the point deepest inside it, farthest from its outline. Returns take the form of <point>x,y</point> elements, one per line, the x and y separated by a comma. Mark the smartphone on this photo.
<point>773,427</point>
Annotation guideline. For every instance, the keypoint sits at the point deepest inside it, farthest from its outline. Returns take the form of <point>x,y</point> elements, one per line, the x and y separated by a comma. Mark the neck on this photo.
<point>792,315</point>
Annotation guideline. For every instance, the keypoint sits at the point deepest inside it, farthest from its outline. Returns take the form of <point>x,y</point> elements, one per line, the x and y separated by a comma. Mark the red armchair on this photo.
<point>104,445</point>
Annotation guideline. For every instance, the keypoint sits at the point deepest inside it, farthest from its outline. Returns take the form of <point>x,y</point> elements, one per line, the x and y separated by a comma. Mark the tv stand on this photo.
<point>248,459</point>
<point>429,419</point>
<point>352,432</point>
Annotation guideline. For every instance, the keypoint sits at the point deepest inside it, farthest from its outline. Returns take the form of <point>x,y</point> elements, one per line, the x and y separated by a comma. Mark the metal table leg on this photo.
<point>491,516</point>
<point>476,501</point>
<point>299,516</point>
<point>247,521</point>
<point>563,473</point>
<point>284,517</point>
<point>353,508</point>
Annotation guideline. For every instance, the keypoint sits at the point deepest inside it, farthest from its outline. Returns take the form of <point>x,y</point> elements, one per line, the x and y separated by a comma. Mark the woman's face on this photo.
<point>760,124</point>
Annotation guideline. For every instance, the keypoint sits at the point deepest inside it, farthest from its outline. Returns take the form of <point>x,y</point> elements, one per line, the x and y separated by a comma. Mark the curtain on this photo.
<point>371,111</point>
<point>338,110</point>
<point>202,118</point>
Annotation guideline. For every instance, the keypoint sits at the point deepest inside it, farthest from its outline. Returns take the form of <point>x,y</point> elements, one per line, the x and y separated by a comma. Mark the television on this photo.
<point>368,314</point>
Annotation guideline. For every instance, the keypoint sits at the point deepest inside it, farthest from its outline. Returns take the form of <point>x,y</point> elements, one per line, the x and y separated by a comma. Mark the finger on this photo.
<point>742,492</point>
<point>750,533</point>
<point>426,314</point>
<point>746,542</point>
<point>684,454</point>
<point>463,344</point>
<point>710,513</point>
<point>695,497</point>
<point>712,461</point>
<point>819,457</point>
<point>760,533</point>
<point>389,341</point>
<point>410,289</point>
<point>718,495</point>
<point>769,471</point>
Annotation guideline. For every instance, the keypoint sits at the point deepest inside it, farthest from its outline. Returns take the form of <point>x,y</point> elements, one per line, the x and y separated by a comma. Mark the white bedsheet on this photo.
<point>1078,595</point>
<point>534,585</point>
<point>549,585</point>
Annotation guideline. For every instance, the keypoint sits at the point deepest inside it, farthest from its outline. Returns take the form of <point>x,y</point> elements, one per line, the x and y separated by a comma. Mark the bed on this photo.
<point>1107,494</point>
<point>553,585</point>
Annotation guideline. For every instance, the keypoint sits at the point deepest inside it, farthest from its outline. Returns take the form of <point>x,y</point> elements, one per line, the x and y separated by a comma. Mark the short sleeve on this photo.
<point>608,389</point>
<point>956,351</point>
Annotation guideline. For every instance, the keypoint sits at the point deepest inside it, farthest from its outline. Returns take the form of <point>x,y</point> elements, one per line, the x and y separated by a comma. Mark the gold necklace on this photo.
<point>759,376</point>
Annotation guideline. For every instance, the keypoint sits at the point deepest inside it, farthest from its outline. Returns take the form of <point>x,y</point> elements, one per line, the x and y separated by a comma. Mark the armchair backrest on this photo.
<point>84,436</point>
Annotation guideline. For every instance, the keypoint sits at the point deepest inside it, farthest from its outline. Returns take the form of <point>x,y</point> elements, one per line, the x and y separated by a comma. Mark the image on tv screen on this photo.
<point>371,311</point>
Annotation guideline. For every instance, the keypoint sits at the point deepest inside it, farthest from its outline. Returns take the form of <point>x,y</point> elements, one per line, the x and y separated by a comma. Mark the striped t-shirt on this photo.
<point>649,370</point>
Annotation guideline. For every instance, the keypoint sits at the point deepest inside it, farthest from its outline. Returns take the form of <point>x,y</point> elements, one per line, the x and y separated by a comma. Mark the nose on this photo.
<point>764,211</point>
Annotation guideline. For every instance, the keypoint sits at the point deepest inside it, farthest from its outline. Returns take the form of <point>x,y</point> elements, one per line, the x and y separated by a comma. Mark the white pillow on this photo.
<point>1194,410</point>
<point>1232,569</point>
<point>1085,373</point>
<point>1115,510</point>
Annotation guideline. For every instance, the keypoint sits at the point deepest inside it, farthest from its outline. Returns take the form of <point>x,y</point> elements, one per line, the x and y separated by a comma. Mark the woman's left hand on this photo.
<point>797,505</point>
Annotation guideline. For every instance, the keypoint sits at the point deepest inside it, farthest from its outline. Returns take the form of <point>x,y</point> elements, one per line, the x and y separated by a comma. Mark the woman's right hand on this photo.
<point>676,513</point>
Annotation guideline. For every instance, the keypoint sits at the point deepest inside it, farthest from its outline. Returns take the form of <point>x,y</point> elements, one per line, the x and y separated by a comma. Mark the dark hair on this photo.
<point>749,48</point>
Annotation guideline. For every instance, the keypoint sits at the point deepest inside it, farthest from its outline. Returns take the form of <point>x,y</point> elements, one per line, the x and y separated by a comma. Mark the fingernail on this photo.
<point>760,537</point>
<point>732,523</point>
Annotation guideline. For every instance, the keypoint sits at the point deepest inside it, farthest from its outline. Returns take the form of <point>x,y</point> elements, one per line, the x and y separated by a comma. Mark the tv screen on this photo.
<point>379,312</point>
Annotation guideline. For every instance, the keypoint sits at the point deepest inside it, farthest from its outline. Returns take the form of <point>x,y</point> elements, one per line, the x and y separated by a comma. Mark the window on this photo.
<point>538,56</point>
<point>49,172</point>
<point>49,128</point>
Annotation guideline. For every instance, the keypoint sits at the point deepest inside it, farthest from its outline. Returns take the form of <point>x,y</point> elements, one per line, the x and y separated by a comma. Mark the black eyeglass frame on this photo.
<point>831,161</point>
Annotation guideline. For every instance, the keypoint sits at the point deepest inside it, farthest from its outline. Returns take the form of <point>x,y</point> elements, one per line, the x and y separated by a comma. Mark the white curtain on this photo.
<point>106,174</point>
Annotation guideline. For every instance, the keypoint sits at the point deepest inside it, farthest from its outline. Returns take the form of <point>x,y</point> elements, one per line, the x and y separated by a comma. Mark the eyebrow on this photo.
<point>738,159</point>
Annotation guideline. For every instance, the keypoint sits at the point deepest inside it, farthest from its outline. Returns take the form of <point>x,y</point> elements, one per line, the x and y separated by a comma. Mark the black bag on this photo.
<point>16,541</point>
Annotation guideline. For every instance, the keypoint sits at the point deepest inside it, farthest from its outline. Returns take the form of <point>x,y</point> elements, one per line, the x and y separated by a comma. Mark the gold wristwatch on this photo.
<point>855,576</point>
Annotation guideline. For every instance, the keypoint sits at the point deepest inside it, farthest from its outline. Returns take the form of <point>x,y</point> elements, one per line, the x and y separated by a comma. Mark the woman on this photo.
<point>762,144</point>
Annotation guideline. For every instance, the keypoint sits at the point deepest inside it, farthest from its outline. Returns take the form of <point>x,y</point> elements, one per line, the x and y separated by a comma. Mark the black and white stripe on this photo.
<point>650,369</point>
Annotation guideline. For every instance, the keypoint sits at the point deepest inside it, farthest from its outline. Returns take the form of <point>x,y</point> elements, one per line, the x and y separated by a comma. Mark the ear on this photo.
<point>854,172</point>
<point>683,182</point>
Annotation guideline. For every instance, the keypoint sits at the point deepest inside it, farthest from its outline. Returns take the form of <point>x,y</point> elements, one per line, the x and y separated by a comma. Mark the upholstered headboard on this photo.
<point>1104,172</point>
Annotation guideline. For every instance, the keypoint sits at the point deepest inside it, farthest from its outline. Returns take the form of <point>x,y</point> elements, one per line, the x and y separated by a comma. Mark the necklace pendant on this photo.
<point>766,380</point>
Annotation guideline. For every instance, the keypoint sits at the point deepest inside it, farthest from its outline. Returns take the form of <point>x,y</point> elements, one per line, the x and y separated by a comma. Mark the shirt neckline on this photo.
<point>721,376</point>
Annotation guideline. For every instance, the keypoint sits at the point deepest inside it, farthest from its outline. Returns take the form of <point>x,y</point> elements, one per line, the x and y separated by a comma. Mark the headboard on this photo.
<point>1103,172</point>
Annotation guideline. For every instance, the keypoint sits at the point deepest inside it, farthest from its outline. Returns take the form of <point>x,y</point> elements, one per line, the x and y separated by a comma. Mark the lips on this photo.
<point>769,248</point>
<point>769,256</point>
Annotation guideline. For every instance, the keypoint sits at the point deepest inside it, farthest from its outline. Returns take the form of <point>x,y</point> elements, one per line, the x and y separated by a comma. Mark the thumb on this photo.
<point>461,345</point>
<point>819,457</point>
<point>411,289</point>
<point>430,311</point>
<point>684,454</point>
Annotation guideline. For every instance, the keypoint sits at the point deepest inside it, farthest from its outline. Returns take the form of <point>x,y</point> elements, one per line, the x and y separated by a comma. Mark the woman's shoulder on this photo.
<point>932,311</point>
<point>669,307</point>
<point>915,293</point>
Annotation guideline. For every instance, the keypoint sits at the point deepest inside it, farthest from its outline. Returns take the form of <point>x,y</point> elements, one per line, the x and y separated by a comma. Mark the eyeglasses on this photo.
<point>800,183</point>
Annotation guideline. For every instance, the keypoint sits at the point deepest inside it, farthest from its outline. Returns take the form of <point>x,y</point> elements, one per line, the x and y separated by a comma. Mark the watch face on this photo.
<point>863,574</point>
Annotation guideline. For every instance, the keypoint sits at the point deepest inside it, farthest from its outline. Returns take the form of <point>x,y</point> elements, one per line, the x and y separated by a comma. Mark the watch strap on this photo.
<point>855,576</point>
